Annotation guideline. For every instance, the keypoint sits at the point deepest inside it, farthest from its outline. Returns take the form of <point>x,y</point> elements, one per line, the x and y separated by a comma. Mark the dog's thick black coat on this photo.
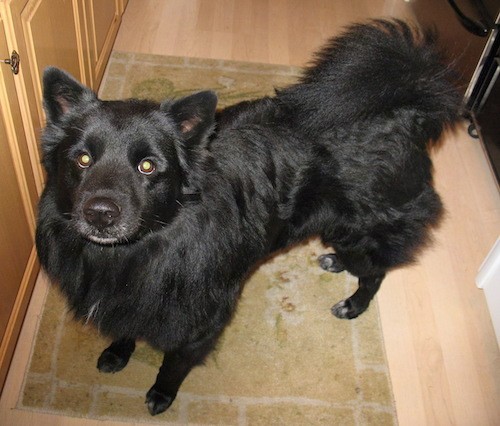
<point>153,215</point>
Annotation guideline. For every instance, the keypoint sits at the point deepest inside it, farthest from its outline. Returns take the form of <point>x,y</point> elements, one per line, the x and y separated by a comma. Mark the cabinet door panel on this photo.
<point>50,34</point>
<point>104,12</point>
<point>44,32</point>
<point>15,239</point>
<point>104,17</point>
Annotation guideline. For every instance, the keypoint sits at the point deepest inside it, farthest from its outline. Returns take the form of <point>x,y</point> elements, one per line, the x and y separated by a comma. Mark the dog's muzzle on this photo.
<point>103,221</point>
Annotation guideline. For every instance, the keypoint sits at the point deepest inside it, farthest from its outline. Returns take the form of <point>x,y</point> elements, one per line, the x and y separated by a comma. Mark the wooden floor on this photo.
<point>443,356</point>
<point>268,31</point>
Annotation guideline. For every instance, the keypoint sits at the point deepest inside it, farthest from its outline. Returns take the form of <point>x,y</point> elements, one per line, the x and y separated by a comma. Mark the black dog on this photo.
<point>153,215</point>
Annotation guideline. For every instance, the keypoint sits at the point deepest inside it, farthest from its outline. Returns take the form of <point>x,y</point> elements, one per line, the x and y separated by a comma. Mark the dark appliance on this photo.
<point>469,33</point>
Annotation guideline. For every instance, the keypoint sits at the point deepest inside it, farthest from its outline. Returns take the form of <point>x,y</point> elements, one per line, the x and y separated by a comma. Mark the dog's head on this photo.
<point>120,169</point>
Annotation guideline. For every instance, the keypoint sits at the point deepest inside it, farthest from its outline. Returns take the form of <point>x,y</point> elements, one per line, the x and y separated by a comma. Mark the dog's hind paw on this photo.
<point>346,310</point>
<point>330,262</point>
<point>158,402</point>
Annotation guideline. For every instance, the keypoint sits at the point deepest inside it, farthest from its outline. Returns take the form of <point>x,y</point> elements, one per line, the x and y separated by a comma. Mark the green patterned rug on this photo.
<point>285,359</point>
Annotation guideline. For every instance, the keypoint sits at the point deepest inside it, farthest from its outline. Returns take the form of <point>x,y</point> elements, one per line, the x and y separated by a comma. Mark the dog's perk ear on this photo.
<point>61,93</point>
<point>194,114</point>
<point>194,117</point>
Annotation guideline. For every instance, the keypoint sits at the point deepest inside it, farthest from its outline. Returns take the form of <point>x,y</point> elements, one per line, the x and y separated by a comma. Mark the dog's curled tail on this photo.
<point>382,68</point>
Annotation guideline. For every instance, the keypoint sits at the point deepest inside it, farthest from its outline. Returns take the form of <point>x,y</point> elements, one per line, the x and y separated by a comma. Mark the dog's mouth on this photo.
<point>106,241</point>
<point>119,235</point>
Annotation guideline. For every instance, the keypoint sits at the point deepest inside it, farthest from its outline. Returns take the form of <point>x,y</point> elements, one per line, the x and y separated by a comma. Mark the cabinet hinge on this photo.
<point>13,61</point>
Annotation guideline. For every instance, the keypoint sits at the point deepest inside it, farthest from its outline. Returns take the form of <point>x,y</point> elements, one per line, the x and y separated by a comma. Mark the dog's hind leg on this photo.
<point>370,277</point>
<point>358,303</point>
<point>116,356</point>
<point>331,263</point>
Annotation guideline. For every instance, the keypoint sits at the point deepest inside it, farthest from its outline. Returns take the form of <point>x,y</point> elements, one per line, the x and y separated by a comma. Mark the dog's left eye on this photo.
<point>146,167</point>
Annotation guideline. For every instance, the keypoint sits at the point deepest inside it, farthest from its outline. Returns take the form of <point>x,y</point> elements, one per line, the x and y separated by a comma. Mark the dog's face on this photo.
<point>119,169</point>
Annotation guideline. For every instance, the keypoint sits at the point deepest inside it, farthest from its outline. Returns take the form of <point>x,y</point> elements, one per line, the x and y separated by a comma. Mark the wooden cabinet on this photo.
<point>76,35</point>
<point>18,194</point>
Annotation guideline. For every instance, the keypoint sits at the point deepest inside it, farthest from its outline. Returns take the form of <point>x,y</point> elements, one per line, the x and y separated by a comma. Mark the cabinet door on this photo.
<point>18,264</point>
<point>103,18</point>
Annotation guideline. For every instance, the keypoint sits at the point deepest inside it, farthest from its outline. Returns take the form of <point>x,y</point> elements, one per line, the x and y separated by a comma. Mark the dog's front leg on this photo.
<point>174,369</point>
<point>116,356</point>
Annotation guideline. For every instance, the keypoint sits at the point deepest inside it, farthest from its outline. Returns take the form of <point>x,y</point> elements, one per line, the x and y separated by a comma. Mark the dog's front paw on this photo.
<point>110,362</point>
<point>346,309</point>
<point>158,402</point>
<point>330,262</point>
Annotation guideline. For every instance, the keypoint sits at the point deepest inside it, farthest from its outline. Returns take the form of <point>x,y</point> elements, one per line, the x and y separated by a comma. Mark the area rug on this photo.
<point>285,359</point>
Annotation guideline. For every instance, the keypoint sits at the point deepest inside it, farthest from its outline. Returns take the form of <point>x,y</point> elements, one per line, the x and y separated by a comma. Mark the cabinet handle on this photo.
<point>13,61</point>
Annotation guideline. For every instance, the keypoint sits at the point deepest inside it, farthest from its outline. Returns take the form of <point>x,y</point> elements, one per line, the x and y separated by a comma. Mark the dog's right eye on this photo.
<point>84,160</point>
<point>146,167</point>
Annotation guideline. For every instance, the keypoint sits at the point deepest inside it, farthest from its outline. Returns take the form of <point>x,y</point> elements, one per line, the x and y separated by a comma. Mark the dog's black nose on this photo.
<point>101,212</point>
